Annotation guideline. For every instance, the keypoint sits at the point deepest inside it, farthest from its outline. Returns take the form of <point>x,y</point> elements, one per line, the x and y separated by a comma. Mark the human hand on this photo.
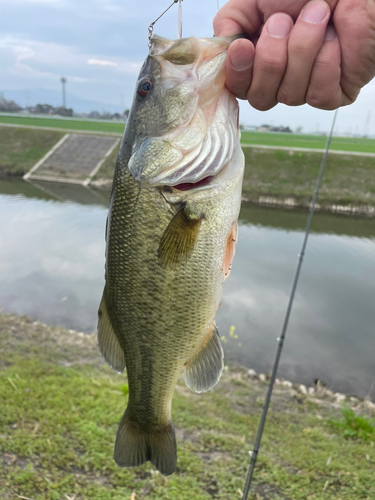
<point>316,52</point>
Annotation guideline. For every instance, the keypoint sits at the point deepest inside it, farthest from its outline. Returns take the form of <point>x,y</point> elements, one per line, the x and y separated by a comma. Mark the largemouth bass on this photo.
<point>171,235</point>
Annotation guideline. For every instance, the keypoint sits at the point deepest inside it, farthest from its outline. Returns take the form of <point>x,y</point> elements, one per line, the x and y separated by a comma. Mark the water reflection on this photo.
<point>52,263</point>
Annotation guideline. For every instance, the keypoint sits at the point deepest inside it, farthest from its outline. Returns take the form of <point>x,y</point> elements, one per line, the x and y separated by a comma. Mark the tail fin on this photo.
<point>134,447</point>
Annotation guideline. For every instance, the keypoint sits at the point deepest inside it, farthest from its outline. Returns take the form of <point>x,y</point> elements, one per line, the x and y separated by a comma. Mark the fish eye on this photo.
<point>144,87</point>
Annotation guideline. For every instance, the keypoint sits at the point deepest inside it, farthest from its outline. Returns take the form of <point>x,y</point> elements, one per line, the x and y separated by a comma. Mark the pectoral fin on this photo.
<point>203,370</point>
<point>178,240</point>
<point>108,342</point>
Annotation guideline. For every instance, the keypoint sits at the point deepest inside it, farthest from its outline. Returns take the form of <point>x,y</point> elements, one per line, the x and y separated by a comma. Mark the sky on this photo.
<point>100,45</point>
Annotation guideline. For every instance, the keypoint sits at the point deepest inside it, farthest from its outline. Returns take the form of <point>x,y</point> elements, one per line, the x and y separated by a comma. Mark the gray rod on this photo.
<point>286,320</point>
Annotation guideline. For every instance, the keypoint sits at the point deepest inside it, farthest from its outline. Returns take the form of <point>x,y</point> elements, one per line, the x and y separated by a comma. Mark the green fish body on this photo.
<point>171,234</point>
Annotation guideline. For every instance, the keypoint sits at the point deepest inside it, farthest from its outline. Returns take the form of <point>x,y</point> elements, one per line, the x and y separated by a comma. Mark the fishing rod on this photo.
<point>254,453</point>
<point>281,339</point>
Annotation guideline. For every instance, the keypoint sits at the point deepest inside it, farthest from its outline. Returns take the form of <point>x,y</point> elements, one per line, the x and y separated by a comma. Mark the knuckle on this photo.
<point>271,65</point>
<point>259,106</point>
<point>261,102</point>
<point>289,98</point>
<point>302,51</point>
<point>317,98</point>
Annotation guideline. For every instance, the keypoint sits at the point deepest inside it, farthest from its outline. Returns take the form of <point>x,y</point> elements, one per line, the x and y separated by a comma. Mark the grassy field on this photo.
<point>260,138</point>
<point>308,141</point>
<point>280,174</point>
<point>21,148</point>
<point>64,123</point>
<point>276,173</point>
<point>60,408</point>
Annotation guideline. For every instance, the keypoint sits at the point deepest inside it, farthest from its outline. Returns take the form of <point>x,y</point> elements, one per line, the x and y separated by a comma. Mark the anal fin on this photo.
<point>108,342</point>
<point>203,370</point>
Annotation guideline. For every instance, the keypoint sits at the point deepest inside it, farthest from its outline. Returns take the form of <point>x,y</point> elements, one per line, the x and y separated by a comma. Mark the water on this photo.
<point>52,266</point>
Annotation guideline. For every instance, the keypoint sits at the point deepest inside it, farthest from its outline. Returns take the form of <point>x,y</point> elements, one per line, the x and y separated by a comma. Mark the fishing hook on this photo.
<point>151,27</point>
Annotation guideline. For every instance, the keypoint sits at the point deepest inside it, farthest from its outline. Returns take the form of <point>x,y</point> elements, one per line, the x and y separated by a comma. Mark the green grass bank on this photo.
<point>289,178</point>
<point>64,123</point>
<point>357,144</point>
<point>60,407</point>
<point>271,176</point>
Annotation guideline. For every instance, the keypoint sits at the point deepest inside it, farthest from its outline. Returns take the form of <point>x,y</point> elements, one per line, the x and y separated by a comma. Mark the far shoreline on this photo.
<point>283,178</point>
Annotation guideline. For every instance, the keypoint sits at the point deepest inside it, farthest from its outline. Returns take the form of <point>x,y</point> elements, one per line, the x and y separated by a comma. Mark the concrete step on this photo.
<point>76,158</point>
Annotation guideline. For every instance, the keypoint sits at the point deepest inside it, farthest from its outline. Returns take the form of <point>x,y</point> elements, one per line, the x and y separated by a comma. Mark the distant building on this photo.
<point>271,128</point>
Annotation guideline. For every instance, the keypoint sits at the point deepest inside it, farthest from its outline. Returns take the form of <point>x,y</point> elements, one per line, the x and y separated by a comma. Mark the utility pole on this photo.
<point>367,125</point>
<point>63,81</point>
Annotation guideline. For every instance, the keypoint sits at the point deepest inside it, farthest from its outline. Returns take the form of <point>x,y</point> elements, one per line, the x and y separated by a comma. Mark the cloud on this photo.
<point>101,63</point>
<point>30,59</point>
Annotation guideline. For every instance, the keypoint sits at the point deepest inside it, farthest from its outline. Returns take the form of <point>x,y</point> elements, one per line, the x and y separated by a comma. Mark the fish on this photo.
<point>170,239</point>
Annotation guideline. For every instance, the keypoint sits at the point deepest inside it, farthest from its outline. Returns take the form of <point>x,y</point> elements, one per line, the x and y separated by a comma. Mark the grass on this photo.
<point>64,123</point>
<point>357,144</point>
<point>355,426</point>
<point>347,179</point>
<point>276,173</point>
<point>21,148</point>
<point>60,407</point>
<point>281,174</point>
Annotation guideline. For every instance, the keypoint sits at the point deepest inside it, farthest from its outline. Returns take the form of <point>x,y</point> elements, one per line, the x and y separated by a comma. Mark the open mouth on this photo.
<point>191,185</point>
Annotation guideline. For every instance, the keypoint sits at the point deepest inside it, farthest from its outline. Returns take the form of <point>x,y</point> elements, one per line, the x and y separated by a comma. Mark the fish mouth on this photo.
<point>201,140</point>
<point>187,186</point>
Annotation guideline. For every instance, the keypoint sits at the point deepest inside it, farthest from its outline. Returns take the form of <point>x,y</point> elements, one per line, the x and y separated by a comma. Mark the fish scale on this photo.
<point>168,254</point>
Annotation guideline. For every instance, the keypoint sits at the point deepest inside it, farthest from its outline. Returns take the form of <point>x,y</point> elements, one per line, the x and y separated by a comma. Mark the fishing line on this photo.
<point>281,339</point>
<point>151,27</point>
<point>179,20</point>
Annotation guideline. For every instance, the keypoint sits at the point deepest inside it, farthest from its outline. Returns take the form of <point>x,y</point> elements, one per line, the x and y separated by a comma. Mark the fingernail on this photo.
<point>279,25</point>
<point>241,58</point>
<point>315,12</point>
<point>330,33</point>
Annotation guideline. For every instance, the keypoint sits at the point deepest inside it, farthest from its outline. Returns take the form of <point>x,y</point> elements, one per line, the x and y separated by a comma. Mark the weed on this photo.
<point>355,426</point>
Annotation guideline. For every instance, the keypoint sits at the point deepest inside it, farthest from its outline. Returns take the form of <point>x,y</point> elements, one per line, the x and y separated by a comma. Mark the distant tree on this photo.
<point>64,111</point>
<point>44,109</point>
<point>8,105</point>
<point>94,114</point>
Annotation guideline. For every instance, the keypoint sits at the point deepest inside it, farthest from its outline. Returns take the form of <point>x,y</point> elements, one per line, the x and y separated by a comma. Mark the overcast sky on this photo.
<point>99,45</point>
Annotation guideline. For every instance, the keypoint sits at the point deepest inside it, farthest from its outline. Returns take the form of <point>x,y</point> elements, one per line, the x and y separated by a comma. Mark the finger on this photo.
<point>239,67</point>
<point>324,91</point>
<point>270,61</point>
<point>304,44</point>
<point>236,17</point>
